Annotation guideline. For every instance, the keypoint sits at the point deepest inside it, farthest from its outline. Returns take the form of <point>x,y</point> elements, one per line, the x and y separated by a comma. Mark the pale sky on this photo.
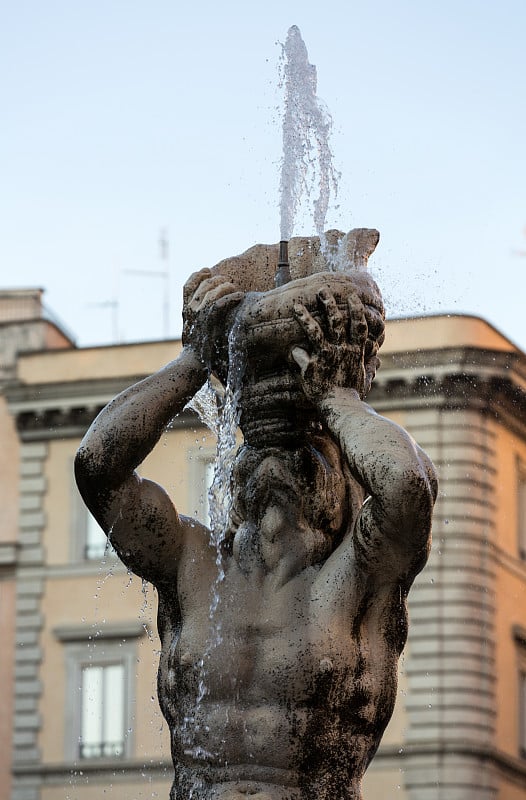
<point>124,118</point>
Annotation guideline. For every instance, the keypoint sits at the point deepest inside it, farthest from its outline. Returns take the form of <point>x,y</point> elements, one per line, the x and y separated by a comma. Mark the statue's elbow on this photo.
<point>87,469</point>
<point>415,490</point>
<point>422,497</point>
<point>428,480</point>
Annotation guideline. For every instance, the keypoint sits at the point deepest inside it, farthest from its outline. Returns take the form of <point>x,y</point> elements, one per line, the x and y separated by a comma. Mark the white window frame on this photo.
<point>97,546</point>
<point>102,728</point>
<point>115,645</point>
<point>201,470</point>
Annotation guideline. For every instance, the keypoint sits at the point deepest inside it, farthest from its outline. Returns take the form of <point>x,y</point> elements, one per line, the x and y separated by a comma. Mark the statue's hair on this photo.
<point>319,485</point>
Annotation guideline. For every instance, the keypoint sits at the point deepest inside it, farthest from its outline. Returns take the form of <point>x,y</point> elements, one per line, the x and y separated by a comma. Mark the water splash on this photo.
<point>220,495</point>
<point>220,499</point>
<point>204,403</point>
<point>220,502</point>
<point>307,157</point>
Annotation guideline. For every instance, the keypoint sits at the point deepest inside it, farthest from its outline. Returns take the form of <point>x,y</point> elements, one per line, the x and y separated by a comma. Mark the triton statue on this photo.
<point>328,526</point>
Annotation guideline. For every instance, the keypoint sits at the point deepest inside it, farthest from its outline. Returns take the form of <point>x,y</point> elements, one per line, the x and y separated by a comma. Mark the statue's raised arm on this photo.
<point>137,514</point>
<point>392,533</point>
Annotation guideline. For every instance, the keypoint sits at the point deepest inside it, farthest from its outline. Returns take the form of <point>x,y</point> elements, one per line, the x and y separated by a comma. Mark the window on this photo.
<point>102,692</point>
<point>201,468</point>
<point>521,507</point>
<point>96,544</point>
<point>99,690</point>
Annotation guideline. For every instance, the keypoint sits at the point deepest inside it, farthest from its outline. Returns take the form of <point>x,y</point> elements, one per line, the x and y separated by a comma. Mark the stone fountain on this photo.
<point>281,628</point>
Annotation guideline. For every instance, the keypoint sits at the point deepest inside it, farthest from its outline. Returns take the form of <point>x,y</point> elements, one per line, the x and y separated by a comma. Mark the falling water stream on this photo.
<point>223,419</point>
<point>306,163</point>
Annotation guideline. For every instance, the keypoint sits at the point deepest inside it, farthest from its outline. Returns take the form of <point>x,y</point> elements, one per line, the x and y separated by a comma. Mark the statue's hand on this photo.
<point>208,301</point>
<point>336,349</point>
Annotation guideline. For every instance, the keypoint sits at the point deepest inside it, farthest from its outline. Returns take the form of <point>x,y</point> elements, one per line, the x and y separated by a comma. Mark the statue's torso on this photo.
<point>286,691</point>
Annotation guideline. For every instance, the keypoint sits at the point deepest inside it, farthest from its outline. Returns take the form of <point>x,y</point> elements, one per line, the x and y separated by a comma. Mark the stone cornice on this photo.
<point>66,410</point>
<point>111,630</point>
<point>445,357</point>
<point>512,768</point>
<point>491,382</point>
<point>98,770</point>
<point>23,397</point>
<point>47,411</point>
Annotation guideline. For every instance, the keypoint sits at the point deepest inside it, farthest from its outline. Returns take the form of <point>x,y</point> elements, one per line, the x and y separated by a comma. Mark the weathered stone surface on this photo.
<point>282,630</point>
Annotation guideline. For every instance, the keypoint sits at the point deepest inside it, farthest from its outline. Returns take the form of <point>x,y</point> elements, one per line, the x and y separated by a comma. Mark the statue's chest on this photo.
<point>262,646</point>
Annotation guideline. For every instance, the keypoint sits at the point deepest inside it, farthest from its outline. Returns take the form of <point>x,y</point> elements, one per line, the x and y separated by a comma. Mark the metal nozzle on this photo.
<point>283,270</point>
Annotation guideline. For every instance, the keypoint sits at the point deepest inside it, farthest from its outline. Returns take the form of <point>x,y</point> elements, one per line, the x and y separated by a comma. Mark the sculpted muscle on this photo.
<point>279,653</point>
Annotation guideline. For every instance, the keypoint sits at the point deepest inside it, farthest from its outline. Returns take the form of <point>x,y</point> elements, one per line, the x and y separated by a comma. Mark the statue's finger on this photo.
<point>227,299</point>
<point>333,315</point>
<point>208,285</point>
<point>193,282</point>
<point>310,327</point>
<point>358,323</point>
<point>214,293</point>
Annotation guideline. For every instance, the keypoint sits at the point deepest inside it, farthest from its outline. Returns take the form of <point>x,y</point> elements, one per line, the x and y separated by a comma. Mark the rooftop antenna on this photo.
<point>160,273</point>
<point>164,252</point>
<point>114,305</point>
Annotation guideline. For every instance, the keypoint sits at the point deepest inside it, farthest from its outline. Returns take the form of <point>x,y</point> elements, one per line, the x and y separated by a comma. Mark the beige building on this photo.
<point>25,325</point>
<point>85,719</point>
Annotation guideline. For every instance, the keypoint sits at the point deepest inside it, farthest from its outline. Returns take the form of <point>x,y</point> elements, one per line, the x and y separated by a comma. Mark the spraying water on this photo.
<point>307,161</point>
<point>307,157</point>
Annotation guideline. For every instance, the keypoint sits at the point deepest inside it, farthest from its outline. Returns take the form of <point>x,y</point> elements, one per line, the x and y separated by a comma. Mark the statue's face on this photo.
<point>305,488</point>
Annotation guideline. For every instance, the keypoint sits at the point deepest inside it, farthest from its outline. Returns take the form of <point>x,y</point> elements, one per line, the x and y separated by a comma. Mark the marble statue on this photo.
<point>328,526</point>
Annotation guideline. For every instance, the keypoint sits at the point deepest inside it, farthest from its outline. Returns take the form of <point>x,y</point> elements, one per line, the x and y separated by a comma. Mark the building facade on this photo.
<point>459,388</point>
<point>85,718</point>
<point>24,325</point>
